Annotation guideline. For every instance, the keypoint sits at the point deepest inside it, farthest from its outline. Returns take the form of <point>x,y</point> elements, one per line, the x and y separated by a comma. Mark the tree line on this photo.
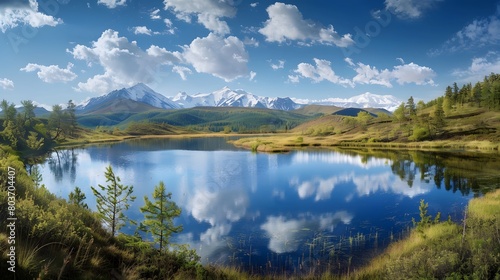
<point>24,132</point>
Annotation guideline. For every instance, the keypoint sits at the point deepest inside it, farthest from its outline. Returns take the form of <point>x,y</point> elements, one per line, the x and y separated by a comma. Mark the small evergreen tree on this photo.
<point>438,118</point>
<point>35,175</point>
<point>411,109</point>
<point>77,197</point>
<point>114,201</point>
<point>71,118</point>
<point>400,114</point>
<point>159,215</point>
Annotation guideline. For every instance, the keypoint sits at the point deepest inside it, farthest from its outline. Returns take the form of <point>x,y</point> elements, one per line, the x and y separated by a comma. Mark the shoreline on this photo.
<point>282,143</point>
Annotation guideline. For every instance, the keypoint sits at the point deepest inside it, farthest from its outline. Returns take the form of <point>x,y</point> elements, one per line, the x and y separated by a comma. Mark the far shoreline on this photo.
<point>286,142</point>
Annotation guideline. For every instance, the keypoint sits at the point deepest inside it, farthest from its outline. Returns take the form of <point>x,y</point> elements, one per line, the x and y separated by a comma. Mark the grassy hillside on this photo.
<point>213,119</point>
<point>318,110</point>
<point>464,127</point>
<point>120,106</point>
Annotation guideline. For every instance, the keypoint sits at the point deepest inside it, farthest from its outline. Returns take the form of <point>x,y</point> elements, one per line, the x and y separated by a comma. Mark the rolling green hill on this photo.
<point>203,119</point>
<point>318,110</point>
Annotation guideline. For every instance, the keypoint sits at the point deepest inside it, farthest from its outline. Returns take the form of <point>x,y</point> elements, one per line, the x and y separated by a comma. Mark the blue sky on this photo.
<point>55,50</point>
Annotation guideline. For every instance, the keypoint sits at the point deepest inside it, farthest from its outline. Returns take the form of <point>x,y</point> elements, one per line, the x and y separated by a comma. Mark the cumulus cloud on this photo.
<point>208,12</point>
<point>225,58</point>
<point>6,84</point>
<point>480,33</point>
<point>279,65</point>
<point>251,42</point>
<point>182,71</point>
<point>411,9</point>
<point>124,63</point>
<point>402,74</point>
<point>112,3</point>
<point>51,73</point>
<point>320,72</point>
<point>155,14</point>
<point>142,30</point>
<point>13,14</point>
<point>287,23</point>
<point>170,26</point>
<point>479,68</point>
<point>366,74</point>
<point>252,75</point>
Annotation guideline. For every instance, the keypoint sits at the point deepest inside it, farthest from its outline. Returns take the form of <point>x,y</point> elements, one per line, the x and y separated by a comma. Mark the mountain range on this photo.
<point>140,97</point>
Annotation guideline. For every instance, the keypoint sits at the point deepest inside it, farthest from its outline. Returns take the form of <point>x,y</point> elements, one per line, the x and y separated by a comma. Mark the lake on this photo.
<point>297,211</point>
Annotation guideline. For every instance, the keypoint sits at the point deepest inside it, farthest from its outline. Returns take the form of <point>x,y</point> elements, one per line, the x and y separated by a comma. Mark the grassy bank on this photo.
<point>288,142</point>
<point>446,250</point>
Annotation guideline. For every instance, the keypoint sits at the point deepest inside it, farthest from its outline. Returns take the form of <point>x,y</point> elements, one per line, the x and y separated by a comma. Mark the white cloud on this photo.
<point>413,73</point>
<point>251,42</point>
<point>182,71</point>
<point>409,8</point>
<point>112,3</point>
<point>366,74</point>
<point>294,79</point>
<point>155,14</point>
<point>480,33</point>
<point>252,75</point>
<point>479,68</point>
<point>225,58</point>
<point>12,16</point>
<point>349,61</point>
<point>280,65</point>
<point>51,73</point>
<point>287,23</point>
<point>402,74</point>
<point>208,12</point>
<point>253,5</point>
<point>6,84</point>
<point>124,63</point>
<point>320,72</point>
<point>169,25</point>
<point>142,30</point>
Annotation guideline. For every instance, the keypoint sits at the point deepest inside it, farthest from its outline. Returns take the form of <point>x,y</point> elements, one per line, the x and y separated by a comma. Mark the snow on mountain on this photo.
<point>365,100</point>
<point>227,97</point>
<point>140,93</point>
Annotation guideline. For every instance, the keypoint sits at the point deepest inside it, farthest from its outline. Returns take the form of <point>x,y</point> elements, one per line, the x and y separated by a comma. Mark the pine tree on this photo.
<point>411,109</point>
<point>159,215</point>
<point>114,202</point>
<point>438,118</point>
<point>71,118</point>
<point>77,197</point>
<point>399,113</point>
<point>29,112</point>
<point>476,93</point>
<point>57,121</point>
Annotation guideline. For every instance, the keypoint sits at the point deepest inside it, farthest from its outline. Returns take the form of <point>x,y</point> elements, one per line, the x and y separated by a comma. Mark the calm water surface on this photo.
<point>271,212</point>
